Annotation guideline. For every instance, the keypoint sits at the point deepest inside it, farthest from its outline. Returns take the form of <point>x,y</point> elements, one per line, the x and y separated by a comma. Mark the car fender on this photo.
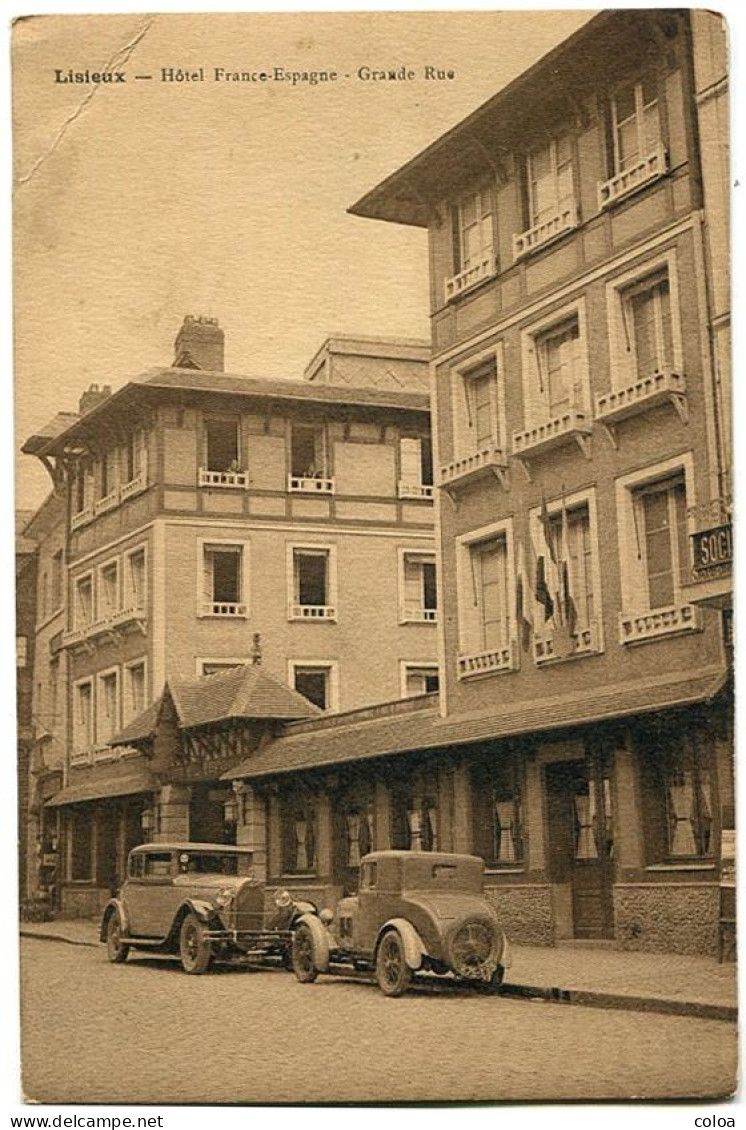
<point>320,939</point>
<point>204,910</point>
<point>414,949</point>
<point>114,906</point>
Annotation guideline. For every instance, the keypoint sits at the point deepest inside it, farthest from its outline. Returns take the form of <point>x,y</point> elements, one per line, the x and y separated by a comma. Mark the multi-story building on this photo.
<point>214,520</point>
<point>26,567</point>
<point>583,743</point>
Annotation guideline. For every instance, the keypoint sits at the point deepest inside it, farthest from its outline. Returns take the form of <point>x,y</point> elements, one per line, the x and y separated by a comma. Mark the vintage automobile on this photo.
<point>198,902</point>
<point>414,912</point>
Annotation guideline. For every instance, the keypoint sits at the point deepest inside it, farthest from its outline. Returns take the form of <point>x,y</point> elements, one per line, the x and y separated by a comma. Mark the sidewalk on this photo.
<point>588,974</point>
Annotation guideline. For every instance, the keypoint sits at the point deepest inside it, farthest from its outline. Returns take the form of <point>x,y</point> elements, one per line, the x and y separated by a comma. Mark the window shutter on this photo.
<point>208,576</point>
<point>456,237</point>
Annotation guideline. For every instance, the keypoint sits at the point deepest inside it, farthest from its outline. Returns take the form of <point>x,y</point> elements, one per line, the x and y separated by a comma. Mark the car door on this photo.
<point>152,899</point>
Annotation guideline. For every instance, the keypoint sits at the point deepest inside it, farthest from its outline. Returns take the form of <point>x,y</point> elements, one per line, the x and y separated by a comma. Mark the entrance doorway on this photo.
<point>581,842</point>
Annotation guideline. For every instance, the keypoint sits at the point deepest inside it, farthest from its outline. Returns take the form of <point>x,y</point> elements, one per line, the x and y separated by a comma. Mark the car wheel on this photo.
<point>194,948</point>
<point>304,965</point>
<point>116,950</point>
<point>392,972</point>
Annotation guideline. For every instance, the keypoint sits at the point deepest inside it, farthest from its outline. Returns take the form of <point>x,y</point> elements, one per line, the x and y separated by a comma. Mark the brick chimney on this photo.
<point>92,397</point>
<point>200,344</point>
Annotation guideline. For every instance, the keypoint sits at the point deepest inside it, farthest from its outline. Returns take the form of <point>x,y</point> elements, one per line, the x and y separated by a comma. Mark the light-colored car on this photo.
<point>414,911</point>
<point>197,902</point>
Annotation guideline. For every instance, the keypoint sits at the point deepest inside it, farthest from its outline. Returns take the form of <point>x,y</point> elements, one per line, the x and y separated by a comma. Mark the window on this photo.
<point>636,123</point>
<point>497,808</point>
<point>21,651</point>
<point>312,587</point>
<point>480,391</point>
<point>108,706</point>
<point>56,583</point>
<point>416,467</point>
<point>555,380</point>
<point>134,579</point>
<point>648,330</point>
<point>83,718</point>
<point>107,473</point>
<point>50,721</point>
<point>558,367</point>
<point>677,775</point>
<point>550,180</point>
<point>418,587</point>
<point>489,568</point>
<point>108,591</point>
<point>134,689</point>
<point>298,819</point>
<point>414,812</point>
<point>223,585</point>
<point>221,445</point>
<point>473,241</point>
<point>571,537</point>
<point>313,684</point>
<point>83,610</point>
<point>419,678</point>
<point>358,829</point>
<point>309,469</point>
<point>81,486</point>
<point>660,521</point>
<point>133,456</point>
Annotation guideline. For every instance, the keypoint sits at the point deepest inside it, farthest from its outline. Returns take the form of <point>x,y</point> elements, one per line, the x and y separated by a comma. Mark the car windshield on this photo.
<point>213,863</point>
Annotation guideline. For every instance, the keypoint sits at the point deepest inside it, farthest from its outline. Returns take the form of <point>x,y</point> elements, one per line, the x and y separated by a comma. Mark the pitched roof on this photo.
<point>363,734</point>
<point>125,776</point>
<point>242,692</point>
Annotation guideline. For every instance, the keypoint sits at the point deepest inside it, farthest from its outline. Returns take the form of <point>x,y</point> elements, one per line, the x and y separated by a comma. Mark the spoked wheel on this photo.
<point>116,950</point>
<point>194,948</point>
<point>304,965</point>
<point>392,972</point>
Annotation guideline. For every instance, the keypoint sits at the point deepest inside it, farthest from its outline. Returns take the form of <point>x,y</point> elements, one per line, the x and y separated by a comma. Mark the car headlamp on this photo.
<point>225,898</point>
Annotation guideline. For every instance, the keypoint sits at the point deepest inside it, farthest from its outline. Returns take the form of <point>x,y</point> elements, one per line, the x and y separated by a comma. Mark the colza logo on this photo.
<point>90,76</point>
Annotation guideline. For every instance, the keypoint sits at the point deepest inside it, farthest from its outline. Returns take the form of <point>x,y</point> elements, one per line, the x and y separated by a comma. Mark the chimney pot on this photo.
<point>92,397</point>
<point>200,344</point>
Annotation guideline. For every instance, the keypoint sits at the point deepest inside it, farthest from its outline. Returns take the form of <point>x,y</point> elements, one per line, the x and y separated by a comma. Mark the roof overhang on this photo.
<point>127,777</point>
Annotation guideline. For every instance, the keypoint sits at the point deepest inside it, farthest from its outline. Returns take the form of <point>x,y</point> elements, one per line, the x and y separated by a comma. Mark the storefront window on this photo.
<point>498,814</point>
<point>81,840</point>
<point>681,807</point>
<point>298,834</point>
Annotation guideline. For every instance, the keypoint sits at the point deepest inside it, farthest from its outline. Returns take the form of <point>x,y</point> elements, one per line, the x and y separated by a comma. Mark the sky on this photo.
<point>140,202</point>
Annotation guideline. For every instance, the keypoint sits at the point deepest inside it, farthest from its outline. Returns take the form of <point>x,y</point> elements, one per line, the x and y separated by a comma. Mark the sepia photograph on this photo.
<point>374,558</point>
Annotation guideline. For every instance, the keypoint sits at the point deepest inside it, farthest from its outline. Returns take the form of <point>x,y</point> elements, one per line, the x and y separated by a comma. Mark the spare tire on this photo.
<point>473,946</point>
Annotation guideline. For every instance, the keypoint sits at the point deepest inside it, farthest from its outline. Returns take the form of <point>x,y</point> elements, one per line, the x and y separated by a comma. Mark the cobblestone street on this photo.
<point>145,1032</point>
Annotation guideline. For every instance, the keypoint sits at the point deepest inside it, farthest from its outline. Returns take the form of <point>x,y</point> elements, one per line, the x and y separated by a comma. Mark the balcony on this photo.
<point>649,392</point>
<point>307,484</point>
<point>552,647</point>
<point>478,272</point>
<point>224,609</point>
<point>91,755</point>
<point>416,490</point>
<point>134,486</point>
<point>493,662</point>
<point>109,623</point>
<point>673,621</point>
<point>541,234</point>
<point>630,180</point>
<point>237,480</point>
<point>312,612</point>
<point>82,518</point>
<point>573,426</point>
<point>108,502</point>
<point>489,461</point>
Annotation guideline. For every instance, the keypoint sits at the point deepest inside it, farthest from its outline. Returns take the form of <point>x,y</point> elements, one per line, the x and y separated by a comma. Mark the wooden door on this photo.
<point>579,809</point>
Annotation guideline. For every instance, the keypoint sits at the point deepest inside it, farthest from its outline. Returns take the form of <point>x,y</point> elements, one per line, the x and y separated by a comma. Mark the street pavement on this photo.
<point>145,1032</point>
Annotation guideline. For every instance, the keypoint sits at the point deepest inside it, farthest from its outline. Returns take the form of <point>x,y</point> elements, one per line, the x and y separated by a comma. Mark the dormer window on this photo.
<point>473,241</point>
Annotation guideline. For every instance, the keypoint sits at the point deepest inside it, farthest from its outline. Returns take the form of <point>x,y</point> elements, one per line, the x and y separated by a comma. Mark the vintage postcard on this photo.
<point>374,557</point>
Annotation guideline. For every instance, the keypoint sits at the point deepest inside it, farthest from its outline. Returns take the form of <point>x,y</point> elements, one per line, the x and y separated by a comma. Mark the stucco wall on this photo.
<point>525,913</point>
<point>667,918</point>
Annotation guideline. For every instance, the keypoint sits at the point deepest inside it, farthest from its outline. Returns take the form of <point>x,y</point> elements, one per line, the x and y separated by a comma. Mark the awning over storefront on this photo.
<point>386,731</point>
<point>125,777</point>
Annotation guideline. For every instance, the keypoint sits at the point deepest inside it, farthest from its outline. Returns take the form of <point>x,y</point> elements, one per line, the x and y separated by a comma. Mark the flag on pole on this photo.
<point>569,611</point>
<point>543,595</point>
<point>523,620</point>
<point>550,567</point>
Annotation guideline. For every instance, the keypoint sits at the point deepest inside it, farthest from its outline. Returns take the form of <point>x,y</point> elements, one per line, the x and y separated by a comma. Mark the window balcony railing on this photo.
<point>415,490</point>
<point>106,622</point>
<point>654,165</point>
<point>224,608</point>
<point>82,517</point>
<point>648,392</point>
<point>134,486</point>
<point>310,484</point>
<point>312,612</point>
<point>91,754</point>
<point>541,234</point>
<point>572,426</point>
<point>488,662</point>
<point>108,502</point>
<point>416,614</point>
<point>490,460</point>
<point>232,479</point>
<point>561,644</point>
<point>677,619</point>
<point>474,274</point>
